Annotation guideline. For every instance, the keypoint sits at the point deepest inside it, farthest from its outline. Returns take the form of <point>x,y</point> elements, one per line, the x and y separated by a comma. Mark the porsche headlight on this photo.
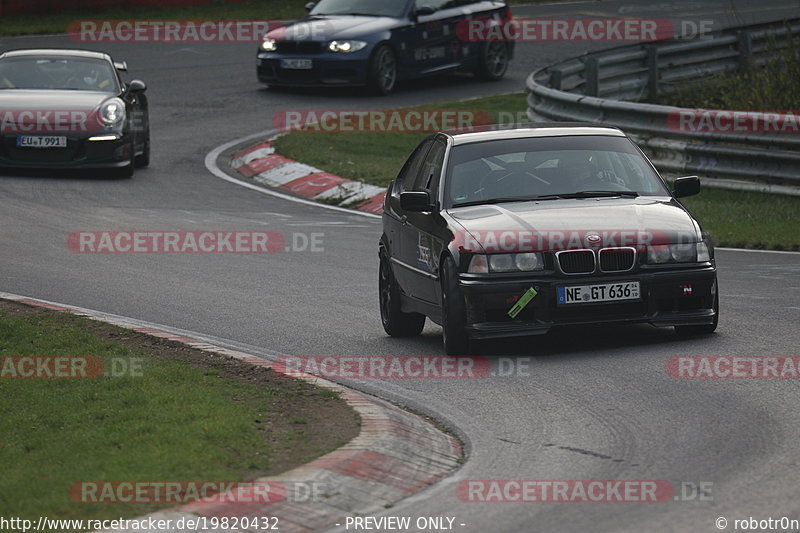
<point>522,262</point>
<point>269,45</point>
<point>112,112</point>
<point>678,253</point>
<point>346,46</point>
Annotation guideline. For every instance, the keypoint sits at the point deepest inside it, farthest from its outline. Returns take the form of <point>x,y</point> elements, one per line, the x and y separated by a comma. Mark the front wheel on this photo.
<point>493,61</point>
<point>454,311</point>
<point>382,70</point>
<point>395,322</point>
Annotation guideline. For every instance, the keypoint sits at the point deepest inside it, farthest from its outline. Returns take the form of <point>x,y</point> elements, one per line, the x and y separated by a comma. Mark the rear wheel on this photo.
<point>454,311</point>
<point>706,329</point>
<point>382,70</point>
<point>395,322</point>
<point>493,61</point>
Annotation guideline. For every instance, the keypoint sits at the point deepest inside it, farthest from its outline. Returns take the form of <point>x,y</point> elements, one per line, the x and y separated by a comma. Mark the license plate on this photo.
<point>296,64</point>
<point>31,141</point>
<point>604,292</point>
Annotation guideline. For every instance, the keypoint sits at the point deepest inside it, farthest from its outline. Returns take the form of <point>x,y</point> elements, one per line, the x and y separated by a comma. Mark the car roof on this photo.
<point>522,131</point>
<point>56,52</point>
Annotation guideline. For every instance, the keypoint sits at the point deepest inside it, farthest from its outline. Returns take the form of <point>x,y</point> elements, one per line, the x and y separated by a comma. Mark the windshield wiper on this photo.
<point>507,200</point>
<point>598,194</point>
<point>355,14</point>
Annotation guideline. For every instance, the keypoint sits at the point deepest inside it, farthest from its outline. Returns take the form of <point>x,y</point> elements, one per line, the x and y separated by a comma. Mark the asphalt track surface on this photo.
<point>594,404</point>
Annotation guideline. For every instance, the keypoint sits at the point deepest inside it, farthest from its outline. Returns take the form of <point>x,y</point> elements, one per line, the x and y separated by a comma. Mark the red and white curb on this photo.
<point>263,165</point>
<point>396,454</point>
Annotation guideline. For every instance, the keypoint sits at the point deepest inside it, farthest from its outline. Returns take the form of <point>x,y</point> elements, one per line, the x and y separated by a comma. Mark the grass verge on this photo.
<point>186,415</point>
<point>734,218</point>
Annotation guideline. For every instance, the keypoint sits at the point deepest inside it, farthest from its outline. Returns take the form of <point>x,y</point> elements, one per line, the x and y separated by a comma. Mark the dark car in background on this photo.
<point>69,109</point>
<point>511,232</point>
<point>375,43</point>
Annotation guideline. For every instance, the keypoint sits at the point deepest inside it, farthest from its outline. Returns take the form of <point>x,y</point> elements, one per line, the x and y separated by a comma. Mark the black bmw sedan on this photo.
<point>511,232</point>
<point>68,109</point>
<point>374,43</point>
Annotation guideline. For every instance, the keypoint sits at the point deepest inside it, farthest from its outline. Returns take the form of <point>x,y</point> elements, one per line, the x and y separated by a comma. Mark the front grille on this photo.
<point>617,259</point>
<point>576,261</point>
<point>299,47</point>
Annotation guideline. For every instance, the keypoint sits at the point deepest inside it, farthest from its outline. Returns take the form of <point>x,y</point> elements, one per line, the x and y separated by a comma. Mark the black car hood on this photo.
<point>615,220</point>
<point>51,100</point>
<point>328,27</point>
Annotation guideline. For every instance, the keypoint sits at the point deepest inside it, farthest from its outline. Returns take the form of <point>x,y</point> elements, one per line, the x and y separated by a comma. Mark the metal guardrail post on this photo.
<point>745,47</point>
<point>555,77</point>
<point>652,73</point>
<point>591,75</point>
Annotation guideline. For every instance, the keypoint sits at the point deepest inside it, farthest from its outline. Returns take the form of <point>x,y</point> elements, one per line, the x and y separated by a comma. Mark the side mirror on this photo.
<point>137,86</point>
<point>688,186</point>
<point>422,11</point>
<point>311,5</point>
<point>415,201</point>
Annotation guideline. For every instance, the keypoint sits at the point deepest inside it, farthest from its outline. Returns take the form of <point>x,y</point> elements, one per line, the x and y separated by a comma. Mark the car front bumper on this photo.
<point>328,69</point>
<point>664,301</point>
<point>80,153</point>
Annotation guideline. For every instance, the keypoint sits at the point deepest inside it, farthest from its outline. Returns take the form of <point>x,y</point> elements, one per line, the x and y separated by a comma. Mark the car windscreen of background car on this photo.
<point>63,73</point>
<point>531,167</point>
<point>378,8</point>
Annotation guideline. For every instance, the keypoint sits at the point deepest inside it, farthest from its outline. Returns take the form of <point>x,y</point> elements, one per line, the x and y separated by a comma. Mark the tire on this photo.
<point>494,60</point>
<point>382,75</point>
<point>143,159</point>
<point>126,172</point>
<point>454,312</point>
<point>707,329</point>
<point>395,322</point>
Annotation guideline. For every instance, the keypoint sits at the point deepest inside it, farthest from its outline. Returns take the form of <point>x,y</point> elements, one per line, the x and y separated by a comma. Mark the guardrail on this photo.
<point>594,88</point>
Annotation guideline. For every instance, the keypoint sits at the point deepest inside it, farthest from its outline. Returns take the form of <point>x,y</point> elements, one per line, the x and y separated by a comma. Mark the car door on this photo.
<point>419,245</point>
<point>437,46</point>
<point>395,219</point>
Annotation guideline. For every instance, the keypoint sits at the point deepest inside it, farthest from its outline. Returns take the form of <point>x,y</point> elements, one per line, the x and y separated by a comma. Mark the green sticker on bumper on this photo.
<point>524,300</point>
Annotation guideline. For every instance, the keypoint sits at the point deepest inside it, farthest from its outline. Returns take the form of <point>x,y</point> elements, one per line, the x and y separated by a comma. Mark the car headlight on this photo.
<point>523,262</point>
<point>346,46</point>
<point>112,112</point>
<point>678,253</point>
<point>269,45</point>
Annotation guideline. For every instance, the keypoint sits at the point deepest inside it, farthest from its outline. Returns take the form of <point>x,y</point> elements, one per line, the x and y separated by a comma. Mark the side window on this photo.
<point>428,177</point>
<point>405,180</point>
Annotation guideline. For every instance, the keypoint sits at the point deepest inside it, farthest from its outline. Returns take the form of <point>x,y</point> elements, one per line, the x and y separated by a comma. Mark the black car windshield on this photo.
<point>62,72</point>
<point>546,168</point>
<point>374,8</point>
